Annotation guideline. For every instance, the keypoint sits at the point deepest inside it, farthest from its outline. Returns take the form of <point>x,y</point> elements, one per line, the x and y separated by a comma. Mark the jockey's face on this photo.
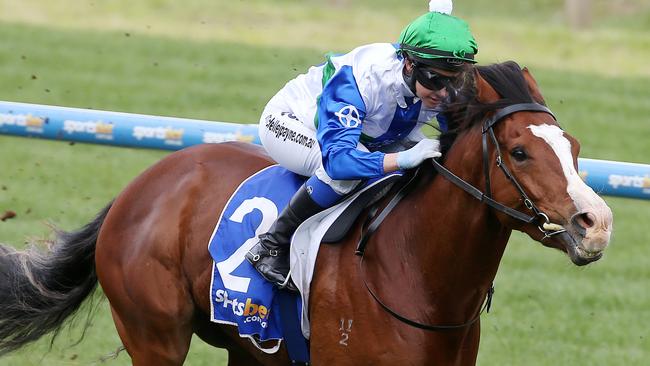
<point>430,85</point>
<point>431,98</point>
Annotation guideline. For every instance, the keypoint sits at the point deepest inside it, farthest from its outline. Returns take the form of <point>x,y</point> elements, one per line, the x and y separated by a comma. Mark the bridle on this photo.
<point>538,218</point>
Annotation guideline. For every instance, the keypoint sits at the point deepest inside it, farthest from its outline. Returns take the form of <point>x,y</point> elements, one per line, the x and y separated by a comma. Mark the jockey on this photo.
<point>358,116</point>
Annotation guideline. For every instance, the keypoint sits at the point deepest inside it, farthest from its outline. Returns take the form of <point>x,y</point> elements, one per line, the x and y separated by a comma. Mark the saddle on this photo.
<point>344,222</point>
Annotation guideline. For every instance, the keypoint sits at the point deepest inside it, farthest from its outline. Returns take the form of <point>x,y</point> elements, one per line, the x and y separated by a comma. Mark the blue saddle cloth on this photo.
<point>240,296</point>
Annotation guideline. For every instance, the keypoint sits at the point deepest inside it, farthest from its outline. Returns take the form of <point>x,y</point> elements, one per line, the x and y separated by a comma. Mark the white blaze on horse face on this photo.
<point>576,188</point>
<point>584,198</point>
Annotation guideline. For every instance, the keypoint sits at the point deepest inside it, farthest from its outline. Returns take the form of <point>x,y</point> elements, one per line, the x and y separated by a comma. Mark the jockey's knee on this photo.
<point>343,187</point>
<point>326,191</point>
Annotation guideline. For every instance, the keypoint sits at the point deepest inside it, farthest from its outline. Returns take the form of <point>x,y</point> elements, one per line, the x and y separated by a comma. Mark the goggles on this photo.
<point>431,79</point>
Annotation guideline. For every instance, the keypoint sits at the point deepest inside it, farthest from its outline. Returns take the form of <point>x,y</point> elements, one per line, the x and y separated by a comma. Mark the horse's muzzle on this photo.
<point>585,238</point>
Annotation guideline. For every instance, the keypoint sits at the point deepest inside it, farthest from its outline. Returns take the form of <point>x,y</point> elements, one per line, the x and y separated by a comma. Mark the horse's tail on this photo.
<point>40,289</point>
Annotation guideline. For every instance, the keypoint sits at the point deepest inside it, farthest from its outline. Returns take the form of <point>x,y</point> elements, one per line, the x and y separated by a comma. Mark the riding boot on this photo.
<point>270,256</point>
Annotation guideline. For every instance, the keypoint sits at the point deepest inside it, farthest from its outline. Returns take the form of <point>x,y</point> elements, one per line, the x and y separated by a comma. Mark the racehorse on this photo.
<point>416,295</point>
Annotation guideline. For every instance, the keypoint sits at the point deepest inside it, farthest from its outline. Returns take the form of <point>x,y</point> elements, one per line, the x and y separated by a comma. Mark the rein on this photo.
<point>374,220</point>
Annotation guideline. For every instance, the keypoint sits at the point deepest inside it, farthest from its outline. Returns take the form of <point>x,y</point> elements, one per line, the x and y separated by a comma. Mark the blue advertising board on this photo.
<point>138,130</point>
<point>614,178</point>
<point>114,128</point>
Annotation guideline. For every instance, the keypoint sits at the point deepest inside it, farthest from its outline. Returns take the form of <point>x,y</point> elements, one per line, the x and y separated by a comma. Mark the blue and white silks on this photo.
<point>356,97</point>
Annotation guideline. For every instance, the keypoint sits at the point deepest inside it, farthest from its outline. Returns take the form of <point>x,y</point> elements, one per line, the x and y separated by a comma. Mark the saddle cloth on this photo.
<point>239,295</point>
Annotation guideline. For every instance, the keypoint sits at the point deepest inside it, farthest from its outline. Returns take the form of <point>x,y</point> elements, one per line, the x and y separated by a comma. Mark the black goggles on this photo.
<point>431,79</point>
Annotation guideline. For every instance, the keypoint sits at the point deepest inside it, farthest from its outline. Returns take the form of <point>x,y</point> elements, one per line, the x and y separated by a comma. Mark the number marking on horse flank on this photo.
<point>345,331</point>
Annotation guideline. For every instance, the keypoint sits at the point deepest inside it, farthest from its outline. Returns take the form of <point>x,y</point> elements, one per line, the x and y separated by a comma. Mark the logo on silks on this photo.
<point>349,116</point>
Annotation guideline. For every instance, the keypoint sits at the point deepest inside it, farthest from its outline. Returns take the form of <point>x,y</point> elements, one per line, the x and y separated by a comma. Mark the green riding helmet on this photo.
<point>438,40</point>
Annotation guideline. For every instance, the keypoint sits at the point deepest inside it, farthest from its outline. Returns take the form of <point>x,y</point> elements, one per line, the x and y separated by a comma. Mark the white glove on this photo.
<point>425,149</point>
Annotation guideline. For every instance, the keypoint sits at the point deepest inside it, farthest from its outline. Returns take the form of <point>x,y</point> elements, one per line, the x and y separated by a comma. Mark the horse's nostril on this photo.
<point>585,220</point>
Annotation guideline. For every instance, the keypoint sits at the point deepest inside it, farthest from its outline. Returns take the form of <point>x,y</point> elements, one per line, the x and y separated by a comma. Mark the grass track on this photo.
<point>546,311</point>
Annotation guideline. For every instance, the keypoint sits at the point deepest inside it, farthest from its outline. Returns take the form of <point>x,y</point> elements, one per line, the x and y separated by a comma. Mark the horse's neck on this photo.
<point>449,239</point>
<point>481,240</point>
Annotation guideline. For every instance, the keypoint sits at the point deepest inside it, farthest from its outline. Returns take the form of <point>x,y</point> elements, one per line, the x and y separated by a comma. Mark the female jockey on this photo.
<point>358,116</point>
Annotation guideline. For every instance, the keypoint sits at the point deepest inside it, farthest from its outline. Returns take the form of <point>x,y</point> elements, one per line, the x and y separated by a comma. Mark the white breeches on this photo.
<point>293,145</point>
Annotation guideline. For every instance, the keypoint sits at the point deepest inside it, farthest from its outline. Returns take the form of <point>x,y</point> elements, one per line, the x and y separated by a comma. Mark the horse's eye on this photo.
<point>519,154</point>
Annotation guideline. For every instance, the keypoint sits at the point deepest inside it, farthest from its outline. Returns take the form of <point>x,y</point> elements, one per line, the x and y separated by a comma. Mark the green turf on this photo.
<point>224,60</point>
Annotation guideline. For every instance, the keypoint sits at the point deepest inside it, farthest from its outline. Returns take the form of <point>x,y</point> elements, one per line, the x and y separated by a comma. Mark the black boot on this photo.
<point>270,256</point>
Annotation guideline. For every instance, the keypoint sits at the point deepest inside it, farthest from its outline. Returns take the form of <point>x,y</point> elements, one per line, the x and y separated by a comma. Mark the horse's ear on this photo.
<point>532,86</point>
<point>485,91</point>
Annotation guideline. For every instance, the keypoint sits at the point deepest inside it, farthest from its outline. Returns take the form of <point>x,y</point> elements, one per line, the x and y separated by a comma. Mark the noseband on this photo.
<point>538,217</point>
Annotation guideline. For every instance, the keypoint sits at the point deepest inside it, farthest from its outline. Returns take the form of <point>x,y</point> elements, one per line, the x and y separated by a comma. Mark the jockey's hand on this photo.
<point>425,149</point>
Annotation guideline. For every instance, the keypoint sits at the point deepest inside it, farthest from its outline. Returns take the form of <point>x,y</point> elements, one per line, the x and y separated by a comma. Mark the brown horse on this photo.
<point>431,262</point>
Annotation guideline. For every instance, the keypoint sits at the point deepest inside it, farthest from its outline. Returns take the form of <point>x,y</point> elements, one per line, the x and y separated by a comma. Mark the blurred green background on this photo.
<point>222,60</point>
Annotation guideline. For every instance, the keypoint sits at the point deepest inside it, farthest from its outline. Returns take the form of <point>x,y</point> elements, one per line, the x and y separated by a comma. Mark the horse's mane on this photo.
<point>465,111</point>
